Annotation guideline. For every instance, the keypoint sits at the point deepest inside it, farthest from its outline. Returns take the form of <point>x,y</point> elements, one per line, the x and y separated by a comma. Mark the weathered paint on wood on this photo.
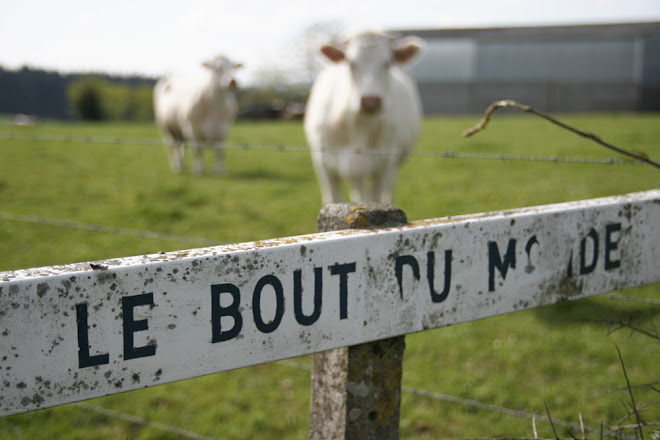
<point>79,331</point>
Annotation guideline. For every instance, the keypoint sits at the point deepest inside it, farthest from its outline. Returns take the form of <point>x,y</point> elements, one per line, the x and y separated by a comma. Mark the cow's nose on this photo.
<point>233,84</point>
<point>370,103</point>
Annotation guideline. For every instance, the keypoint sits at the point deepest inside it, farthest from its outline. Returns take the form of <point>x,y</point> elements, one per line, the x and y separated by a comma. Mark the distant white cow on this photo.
<point>363,116</point>
<point>197,112</point>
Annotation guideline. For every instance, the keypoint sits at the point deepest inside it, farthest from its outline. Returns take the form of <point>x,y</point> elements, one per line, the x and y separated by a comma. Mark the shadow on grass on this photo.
<point>599,310</point>
<point>266,174</point>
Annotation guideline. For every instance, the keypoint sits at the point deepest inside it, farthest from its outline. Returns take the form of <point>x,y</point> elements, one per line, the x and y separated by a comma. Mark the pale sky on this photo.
<point>153,37</point>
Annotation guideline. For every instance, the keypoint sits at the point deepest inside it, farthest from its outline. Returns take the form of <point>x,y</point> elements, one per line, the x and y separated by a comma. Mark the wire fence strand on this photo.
<point>447,154</point>
<point>470,402</point>
<point>618,297</point>
<point>106,229</point>
<point>142,421</point>
<point>201,241</point>
<point>512,412</point>
<point>289,363</point>
<point>192,240</point>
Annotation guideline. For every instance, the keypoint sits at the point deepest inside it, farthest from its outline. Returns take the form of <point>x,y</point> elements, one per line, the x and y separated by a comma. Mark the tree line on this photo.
<point>91,96</point>
<point>103,97</point>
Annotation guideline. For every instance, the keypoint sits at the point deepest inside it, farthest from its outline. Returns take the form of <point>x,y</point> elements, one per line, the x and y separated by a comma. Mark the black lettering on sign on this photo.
<point>611,246</point>
<point>528,248</point>
<point>584,267</point>
<point>495,261</point>
<point>218,311</point>
<point>589,250</point>
<point>409,260</point>
<point>402,260</point>
<point>279,304</point>
<point>343,270</point>
<point>84,359</point>
<point>430,270</point>
<point>131,326</point>
<point>297,297</point>
<point>569,269</point>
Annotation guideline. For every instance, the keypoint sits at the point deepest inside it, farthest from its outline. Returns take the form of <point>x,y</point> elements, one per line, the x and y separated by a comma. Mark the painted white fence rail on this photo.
<point>74,332</point>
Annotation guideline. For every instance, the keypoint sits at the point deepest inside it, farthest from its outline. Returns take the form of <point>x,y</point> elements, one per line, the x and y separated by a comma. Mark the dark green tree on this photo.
<point>85,98</point>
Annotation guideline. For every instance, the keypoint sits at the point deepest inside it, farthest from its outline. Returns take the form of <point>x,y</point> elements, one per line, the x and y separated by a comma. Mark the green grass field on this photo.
<point>548,356</point>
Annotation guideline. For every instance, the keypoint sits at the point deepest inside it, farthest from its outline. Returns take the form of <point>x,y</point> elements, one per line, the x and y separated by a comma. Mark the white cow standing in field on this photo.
<point>363,116</point>
<point>197,112</point>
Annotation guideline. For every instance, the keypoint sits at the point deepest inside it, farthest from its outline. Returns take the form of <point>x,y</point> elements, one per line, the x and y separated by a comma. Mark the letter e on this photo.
<point>131,326</point>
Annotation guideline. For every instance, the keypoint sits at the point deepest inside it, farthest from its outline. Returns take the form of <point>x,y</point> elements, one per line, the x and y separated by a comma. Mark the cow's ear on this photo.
<point>332,53</point>
<point>407,48</point>
<point>404,54</point>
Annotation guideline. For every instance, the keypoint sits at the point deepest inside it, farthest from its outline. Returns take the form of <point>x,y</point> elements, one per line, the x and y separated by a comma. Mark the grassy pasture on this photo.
<point>523,361</point>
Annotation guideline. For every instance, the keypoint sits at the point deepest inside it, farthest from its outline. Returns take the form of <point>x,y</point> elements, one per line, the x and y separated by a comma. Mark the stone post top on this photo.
<point>368,215</point>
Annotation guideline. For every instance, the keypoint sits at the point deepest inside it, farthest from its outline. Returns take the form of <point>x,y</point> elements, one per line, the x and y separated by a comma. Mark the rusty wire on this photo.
<point>290,363</point>
<point>106,229</point>
<point>509,103</point>
<point>284,148</point>
<point>447,154</point>
<point>470,402</point>
<point>141,421</point>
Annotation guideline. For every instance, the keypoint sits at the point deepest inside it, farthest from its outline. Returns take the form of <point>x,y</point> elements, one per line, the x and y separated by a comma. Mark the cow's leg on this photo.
<point>360,190</point>
<point>199,159</point>
<point>329,181</point>
<point>176,156</point>
<point>334,190</point>
<point>383,184</point>
<point>219,159</point>
<point>330,184</point>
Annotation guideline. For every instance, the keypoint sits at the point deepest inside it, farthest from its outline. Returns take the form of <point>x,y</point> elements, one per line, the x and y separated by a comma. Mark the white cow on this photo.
<point>197,111</point>
<point>363,116</point>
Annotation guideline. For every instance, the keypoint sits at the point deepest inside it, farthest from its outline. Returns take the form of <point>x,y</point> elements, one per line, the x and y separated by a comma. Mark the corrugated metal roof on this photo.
<point>600,31</point>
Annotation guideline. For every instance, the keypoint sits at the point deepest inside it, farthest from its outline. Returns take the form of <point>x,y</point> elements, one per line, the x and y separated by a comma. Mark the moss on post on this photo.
<point>356,391</point>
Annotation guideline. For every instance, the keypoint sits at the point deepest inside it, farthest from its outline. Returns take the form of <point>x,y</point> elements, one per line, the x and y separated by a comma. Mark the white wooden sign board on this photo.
<point>79,331</point>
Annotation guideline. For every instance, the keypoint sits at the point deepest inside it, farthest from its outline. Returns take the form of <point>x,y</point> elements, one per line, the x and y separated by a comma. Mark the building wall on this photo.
<point>586,68</point>
<point>452,60</point>
<point>563,61</point>
<point>461,97</point>
<point>651,57</point>
<point>650,91</point>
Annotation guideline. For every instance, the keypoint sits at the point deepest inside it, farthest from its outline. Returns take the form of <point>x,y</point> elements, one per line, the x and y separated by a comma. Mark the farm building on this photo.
<point>601,67</point>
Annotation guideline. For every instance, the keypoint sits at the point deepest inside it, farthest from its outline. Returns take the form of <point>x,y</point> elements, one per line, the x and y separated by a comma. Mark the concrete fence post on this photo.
<point>356,391</point>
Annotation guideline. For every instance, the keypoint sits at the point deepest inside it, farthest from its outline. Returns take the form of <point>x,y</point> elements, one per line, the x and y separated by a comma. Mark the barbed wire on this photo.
<point>447,154</point>
<point>107,229</point>
<point>286,362</point>
<point>512,412</point>
<point>509,103</point>
<point>617,297</point>
<point>142,421</point>
<point>468,402</point>
<point>114,140</point>
<point>192,240</point>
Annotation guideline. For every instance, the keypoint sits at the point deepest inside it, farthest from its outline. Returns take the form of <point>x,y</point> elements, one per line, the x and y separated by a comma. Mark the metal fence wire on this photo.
<point>447,154</point>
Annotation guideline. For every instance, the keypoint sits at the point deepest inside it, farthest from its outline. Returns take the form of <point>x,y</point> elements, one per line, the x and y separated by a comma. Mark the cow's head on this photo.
<point>369,57</point>
<point>223,70</point>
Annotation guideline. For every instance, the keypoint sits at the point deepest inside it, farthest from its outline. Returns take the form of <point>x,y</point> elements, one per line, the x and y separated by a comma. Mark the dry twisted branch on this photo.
<point>525,108</point>
<point>617,324</point>
<point>632,396</point>
<point>635,426</point>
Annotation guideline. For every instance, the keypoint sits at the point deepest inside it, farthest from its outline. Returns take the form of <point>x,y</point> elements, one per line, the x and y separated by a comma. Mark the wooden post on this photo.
<point>356,391</point>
